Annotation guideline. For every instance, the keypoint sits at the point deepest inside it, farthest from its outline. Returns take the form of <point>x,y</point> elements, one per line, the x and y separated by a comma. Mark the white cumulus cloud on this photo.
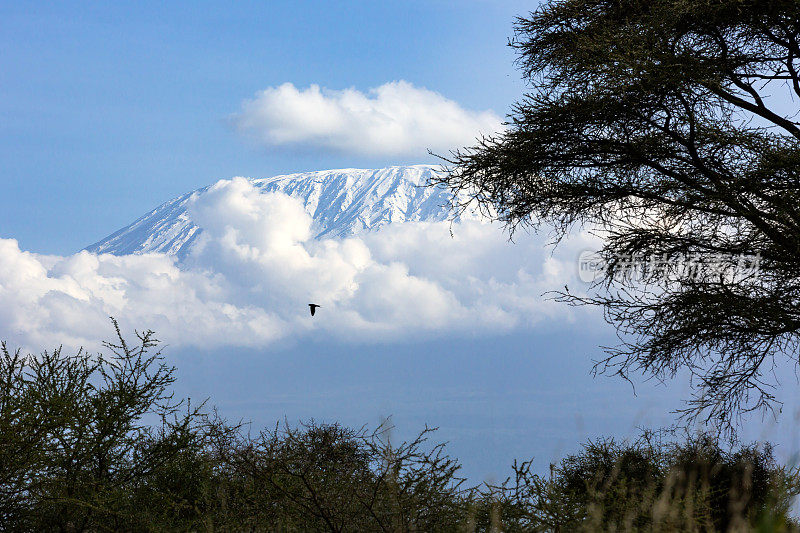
<point>249,277</point>
<point>395,119</point>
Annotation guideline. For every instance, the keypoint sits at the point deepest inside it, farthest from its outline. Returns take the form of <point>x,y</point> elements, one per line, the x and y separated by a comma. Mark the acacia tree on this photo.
<point>670,127</point>
<point>84,439</point>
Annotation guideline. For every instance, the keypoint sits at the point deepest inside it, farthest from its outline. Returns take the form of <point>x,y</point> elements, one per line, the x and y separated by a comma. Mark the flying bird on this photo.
<point>313,308</point>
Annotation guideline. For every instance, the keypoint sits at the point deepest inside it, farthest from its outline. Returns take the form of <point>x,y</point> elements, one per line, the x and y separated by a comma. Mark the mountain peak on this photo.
<point>341,202</point>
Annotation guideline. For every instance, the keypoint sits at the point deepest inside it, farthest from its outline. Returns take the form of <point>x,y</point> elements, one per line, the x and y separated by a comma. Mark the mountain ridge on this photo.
<point>341,202</point>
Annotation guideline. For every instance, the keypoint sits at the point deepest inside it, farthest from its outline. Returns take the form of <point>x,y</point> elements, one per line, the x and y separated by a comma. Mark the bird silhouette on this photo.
<point>313,308</point>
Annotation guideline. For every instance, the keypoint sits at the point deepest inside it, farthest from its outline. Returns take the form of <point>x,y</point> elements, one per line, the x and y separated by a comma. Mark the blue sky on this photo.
<point>109,109</point>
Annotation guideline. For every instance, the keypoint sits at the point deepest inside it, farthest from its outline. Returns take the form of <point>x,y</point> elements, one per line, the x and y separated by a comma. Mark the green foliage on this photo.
<point>74,441</point>
<point>329,478</point>
<point>651,485</point>
<point>100,444</point>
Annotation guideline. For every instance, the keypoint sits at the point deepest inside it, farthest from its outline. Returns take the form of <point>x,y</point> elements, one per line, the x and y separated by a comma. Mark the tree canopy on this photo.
<point>669,127</point>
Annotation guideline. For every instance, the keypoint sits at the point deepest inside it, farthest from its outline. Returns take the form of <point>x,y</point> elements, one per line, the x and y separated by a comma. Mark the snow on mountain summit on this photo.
<point>341,203</point>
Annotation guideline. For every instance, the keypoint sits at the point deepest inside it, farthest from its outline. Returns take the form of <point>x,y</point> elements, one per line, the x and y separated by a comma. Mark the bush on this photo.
<point>74,446</point>
<point>100,444</point>
<point>651,485</point>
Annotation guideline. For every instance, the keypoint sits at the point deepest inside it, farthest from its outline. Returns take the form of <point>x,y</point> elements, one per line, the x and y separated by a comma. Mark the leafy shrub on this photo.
<point>651,485</point>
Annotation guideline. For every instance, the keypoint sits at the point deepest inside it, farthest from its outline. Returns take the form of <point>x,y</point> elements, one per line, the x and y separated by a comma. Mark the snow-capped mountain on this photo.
<point>341,203</point>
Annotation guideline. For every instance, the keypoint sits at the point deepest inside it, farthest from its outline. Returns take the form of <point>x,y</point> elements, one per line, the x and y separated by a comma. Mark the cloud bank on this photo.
<point>249,277</point>
<point>395,119</point>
